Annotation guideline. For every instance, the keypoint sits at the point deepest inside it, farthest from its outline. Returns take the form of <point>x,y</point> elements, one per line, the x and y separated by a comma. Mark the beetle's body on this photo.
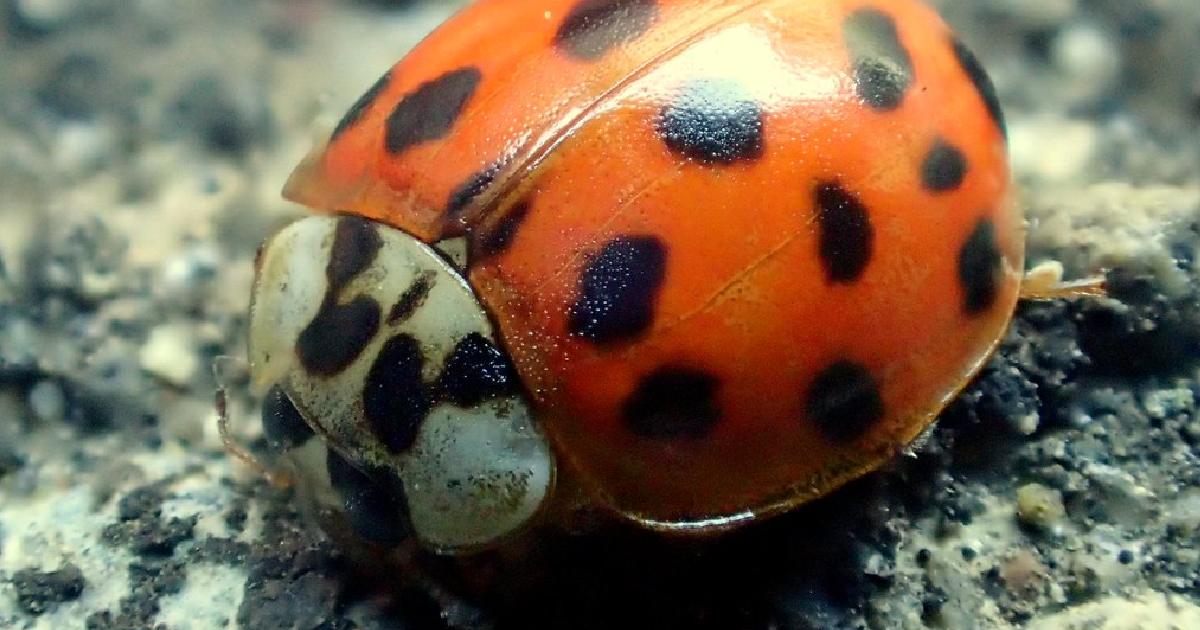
<point>739,252</point>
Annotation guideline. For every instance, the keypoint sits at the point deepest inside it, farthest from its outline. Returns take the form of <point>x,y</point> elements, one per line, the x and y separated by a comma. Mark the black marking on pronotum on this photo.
<point>361,105</point>
<point>594,27</point>
<point>356,242</point>
<point>375,505</point>
<point>496,239</point>
<point>618,290</point>
<point>395,400</point>
<point>843,401</point>
<point>412,298</point>
<point>339,333</point>
<point>881,65</point>
<point>282,423</point>
<point>673,402</point>
<point>429,111</point>
<point>712,121</point>
<point>846,236</point>
<point>982,82</point>
<point>475,371</point>
<point>979,268</point>
<point>943,168</point>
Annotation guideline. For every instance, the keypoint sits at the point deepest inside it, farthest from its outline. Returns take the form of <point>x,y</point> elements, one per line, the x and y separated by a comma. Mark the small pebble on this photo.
<point>36,18</point>
<point>1039,506</point>
<point>1119,495</point>
<point>1184,512</point>
<point>47,401</point>
<point>169,354</point>
<point>1063,160</point>
<point>10,461</point>
<point>1164,403</point>
<point>75,89</point>
<point>1026,423</point>
<point>228,116</point>
<point>931,607</point>
<point>1023,573</point>
<point>37,591</point>
<point>186,275</point>
<point>1088,57</point>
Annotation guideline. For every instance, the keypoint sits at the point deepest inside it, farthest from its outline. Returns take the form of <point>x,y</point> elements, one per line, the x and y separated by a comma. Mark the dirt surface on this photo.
<point>142,149</point>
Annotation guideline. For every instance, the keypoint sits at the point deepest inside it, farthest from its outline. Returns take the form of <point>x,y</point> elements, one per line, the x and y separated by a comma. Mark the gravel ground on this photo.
<point>1061,490</point>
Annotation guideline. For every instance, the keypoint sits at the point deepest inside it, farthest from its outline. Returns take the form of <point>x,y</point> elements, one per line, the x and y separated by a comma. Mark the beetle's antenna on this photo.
<point>232,446</point>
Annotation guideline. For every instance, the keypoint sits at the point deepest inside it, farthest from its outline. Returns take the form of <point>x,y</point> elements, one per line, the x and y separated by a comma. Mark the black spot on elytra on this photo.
<point>712,121</point>
<point>360,106</point>
<point>844,401</point>
<point>282,423</point>
<point>982,82</point>
<point>846,236</point>
<point>498,237</point>
<point>466,192</point>
<point>979,268</point>
<point>340,332</point>
<point>337,335</point>
<point>412,298</point>
<point>673,402</point>
<point>618,290</point>
<point>395,399</point>
<point>944,167</point>
<point>377,511</point>
<point>594,27</point>
<point>881,65</point>
<point>476,371</point>
<point>428,112</point>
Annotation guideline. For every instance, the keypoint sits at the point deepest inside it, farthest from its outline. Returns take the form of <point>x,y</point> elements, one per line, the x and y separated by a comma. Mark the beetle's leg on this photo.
<point>1044,282</point>
<point>232,446</point>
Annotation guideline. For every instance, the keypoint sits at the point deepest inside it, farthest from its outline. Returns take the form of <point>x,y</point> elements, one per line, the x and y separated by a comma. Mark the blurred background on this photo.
<point>143,144</point>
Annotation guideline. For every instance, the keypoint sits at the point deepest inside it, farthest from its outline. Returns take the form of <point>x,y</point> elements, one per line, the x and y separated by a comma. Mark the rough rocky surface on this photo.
<point>143,147</point>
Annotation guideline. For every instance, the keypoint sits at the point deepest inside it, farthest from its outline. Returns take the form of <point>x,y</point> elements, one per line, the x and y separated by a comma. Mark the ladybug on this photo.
<point>704,261</point>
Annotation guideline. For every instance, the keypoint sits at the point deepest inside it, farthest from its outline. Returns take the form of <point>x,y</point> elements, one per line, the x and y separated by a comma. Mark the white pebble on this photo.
<point>1026,424</point>
<point>1066,158</point>
<point>169,354</point>
<point>185,273</point>
<point>46,12</point>
<point>47,401</point>
<point>1184,512</point>
<point>1088,56</point>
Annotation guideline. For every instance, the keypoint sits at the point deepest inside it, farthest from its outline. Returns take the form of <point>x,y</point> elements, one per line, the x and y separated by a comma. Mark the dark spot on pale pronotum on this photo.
<point>395,401</point>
